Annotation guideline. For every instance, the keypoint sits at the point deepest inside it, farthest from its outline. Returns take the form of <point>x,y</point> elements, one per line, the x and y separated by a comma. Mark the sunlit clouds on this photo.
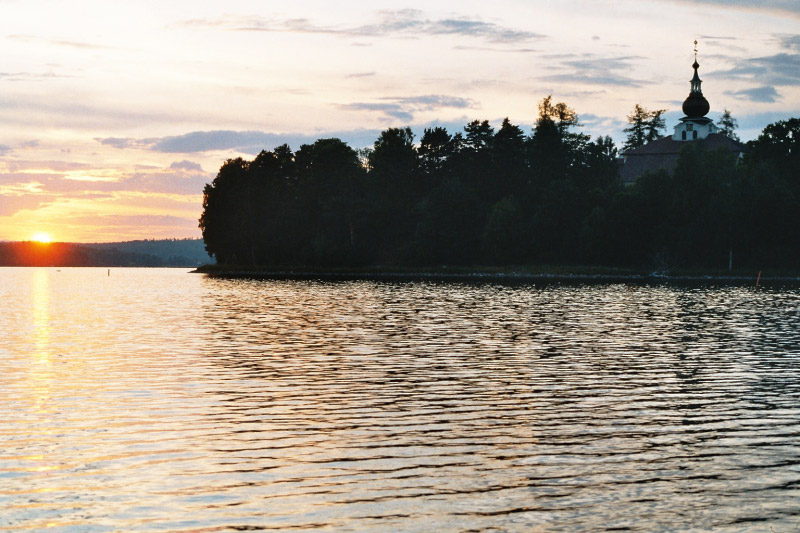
<point>116,114</point>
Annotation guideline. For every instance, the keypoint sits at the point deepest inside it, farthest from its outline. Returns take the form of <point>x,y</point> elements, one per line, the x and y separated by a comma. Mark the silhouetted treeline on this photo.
<point>172,252</point>
<point>495,197</point>
<point>166,253</point>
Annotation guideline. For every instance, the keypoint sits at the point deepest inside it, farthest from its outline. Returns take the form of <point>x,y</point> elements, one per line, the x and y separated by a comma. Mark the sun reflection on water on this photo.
<point>41,368</point>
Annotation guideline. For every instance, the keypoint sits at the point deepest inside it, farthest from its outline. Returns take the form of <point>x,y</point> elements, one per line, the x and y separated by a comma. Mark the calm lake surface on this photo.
<point>158,400</point>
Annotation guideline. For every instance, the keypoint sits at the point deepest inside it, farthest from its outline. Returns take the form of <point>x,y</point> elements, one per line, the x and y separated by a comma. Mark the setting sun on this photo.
<point>42,237</point>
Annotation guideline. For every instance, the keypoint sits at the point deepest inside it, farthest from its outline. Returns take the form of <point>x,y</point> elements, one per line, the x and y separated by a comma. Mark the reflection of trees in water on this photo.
<point>304,329</point>
<point>355,391</point>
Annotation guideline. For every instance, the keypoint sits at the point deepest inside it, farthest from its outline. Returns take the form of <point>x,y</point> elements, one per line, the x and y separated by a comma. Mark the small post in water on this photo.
<point>758,279</point>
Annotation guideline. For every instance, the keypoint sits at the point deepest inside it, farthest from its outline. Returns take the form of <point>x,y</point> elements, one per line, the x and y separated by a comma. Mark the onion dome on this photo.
<point>695,105</point>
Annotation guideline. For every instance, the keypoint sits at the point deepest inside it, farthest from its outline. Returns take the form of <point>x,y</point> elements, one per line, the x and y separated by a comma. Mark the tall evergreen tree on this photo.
<point>637,131</point>
<point>509,160</point>
<point>645,126</point>
<point>728,125</point>
<point>435,148</point>
<point>655,125</point>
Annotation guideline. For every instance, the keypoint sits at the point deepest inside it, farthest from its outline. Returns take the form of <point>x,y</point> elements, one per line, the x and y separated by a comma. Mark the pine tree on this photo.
<point>727,125</point>
<point>637,131</point>
<point>655,125</point>
<point>645,126</point>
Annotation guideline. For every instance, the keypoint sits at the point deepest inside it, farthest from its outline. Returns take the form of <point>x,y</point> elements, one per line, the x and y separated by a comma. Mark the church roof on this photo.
<point>663,154</point>
<point>667,145</point>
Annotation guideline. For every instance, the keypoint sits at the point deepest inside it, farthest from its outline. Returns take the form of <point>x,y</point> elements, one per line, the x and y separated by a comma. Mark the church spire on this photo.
<point>695,105</point>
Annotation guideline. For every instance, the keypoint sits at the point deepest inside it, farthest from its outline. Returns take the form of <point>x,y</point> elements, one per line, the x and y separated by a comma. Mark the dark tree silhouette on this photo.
<point>497,197</point>
<point>728,125</point>
<point>645,126</point>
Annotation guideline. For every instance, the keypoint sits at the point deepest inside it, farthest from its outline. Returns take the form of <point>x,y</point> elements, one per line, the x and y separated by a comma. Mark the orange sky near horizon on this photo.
<point>115,115</point>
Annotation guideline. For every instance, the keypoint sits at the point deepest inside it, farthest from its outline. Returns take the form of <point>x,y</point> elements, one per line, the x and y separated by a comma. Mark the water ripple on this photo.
<point>155,400</point>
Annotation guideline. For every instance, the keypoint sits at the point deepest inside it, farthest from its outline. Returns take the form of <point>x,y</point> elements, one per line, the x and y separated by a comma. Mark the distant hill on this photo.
<point>146,253</point>
<point>173,252</point>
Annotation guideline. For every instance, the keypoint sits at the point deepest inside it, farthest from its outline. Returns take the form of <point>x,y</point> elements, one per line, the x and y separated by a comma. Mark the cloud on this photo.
<point>403,108</point>
<point>779,69</point>
<point>765,94</point>
<point>718,37</point>
<point>54,166</point>
<point>790,42</point>
<point>80,45</point>
<point>595,79</point>
<point>503,49</point>
<point>399,23</point>
<point>22,188</point>
<point>5,149</point>
<point>791,7</point>
<point>10,204</point>
<point>391,110</point>
<point>602,124</point>
<point>186,165</point>
<point>59,42</point>
<point>246,142</point>
<point>118,142</point>
<point>163,183</point>
<point>149,221</point>
<point>202,141</point>
<point>29,110</point>
<point>22,191</point>
<point>15,183</point>
<point>30,76</point>
<point>360,75</point>
<point>589,69</point>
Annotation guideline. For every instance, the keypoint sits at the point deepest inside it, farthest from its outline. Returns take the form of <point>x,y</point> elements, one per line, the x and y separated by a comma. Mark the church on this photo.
<point>693,127</point>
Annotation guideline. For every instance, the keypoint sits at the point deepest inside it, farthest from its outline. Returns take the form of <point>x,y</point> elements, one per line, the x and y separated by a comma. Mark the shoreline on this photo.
<point>491,275</point>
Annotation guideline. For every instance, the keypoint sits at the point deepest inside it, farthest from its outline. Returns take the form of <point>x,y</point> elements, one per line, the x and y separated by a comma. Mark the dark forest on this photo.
<point>486,197</point>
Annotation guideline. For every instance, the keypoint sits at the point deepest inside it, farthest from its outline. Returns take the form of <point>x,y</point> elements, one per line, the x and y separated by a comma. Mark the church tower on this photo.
<point>663,153</point>
<point>695,125</point>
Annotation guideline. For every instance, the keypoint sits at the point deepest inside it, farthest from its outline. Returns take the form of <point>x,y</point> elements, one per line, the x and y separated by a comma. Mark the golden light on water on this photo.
<point>41,364</point>
<point>42,237</point>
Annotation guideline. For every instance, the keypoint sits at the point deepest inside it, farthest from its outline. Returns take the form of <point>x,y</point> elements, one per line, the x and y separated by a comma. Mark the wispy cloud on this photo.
<point>186,165</point>
<point>153,221</point>
<point>398,23</point>
<point>360,75</point>
<point>29,110</point>
<point>246,142</point>
<point>60,42</point>
<point>791,7</point>
<point>604,125</point>
<point>31,76</point>
<point>5,149</point>
<point>778,69</point>
<point>764,94</point>
<point>403,108</point>
<point>790,42</point>
<point>590,69</point>
<point>11,203</point>
<point>121,142</point>
<point>33,184</point>
<point>501,49</point>
<point>52,166</point>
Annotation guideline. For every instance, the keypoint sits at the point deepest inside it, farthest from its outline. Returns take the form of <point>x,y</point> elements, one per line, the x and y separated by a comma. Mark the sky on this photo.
<point>114,115</point>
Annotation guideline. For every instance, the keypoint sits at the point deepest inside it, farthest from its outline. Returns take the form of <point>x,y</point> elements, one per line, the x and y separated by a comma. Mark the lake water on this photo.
<point>158,400</point>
